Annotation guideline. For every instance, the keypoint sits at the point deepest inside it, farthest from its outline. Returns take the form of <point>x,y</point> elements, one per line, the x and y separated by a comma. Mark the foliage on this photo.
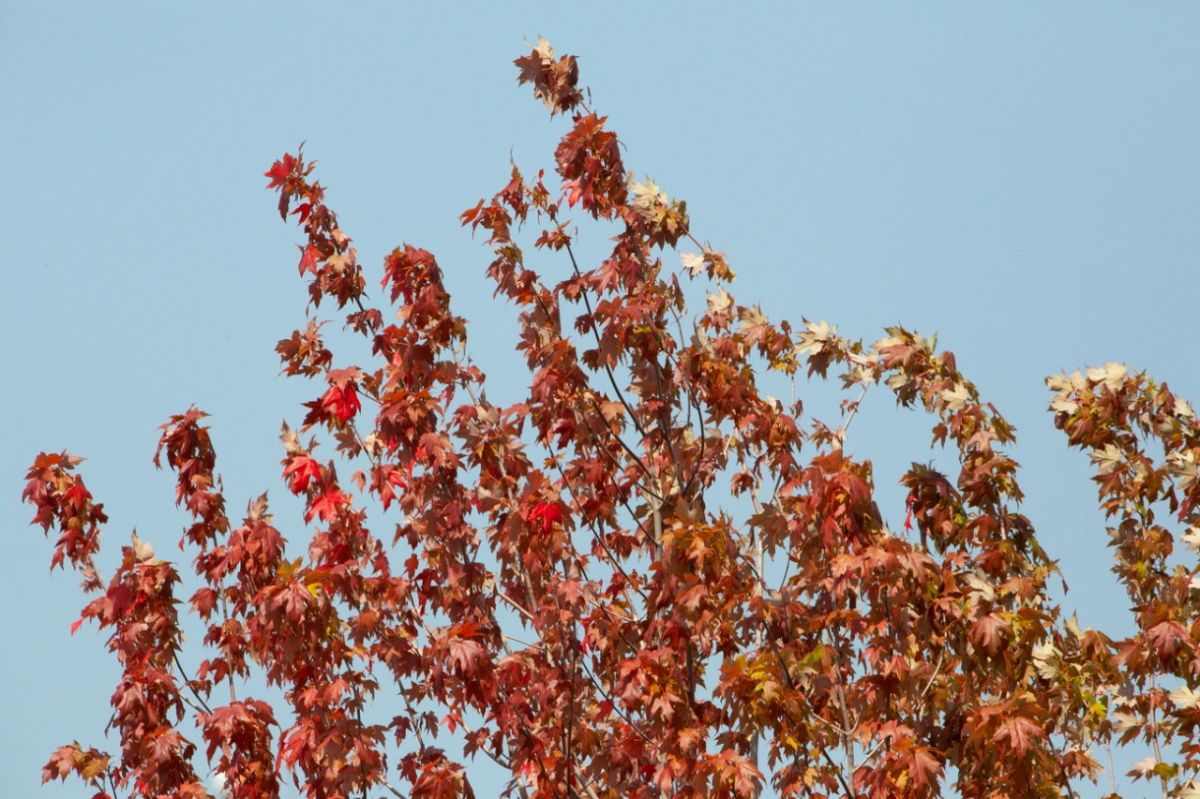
<point>562,582</point>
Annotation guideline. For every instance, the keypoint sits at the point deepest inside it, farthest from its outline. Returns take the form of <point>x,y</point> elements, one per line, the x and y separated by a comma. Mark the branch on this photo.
<point>614,434</point>
<point>188,682</point>
<point>609,557</point>
<point>616,707</point>
<point>853,413</point>
<point>837,772</point>
<point>587,303</point>
<point>848,727</point>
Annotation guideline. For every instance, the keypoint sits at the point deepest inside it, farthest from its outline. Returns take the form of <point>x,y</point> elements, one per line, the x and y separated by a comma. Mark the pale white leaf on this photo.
<point>719,302</point>
<point>1185,698</point>
<point>1191,539</point>
<point>142,550</point>
<point>981,585</point>
<point>956,397</point>
<point>693,262</point>
<point>1146,765</point>
<point>1107,459</point>
<point>1044,655</point>
<point>1112,374</point>
<point>1124,722</point>
<point>544,49</point>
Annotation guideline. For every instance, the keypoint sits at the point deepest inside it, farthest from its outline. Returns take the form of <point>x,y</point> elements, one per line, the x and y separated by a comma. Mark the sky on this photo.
<point>1022,180</point>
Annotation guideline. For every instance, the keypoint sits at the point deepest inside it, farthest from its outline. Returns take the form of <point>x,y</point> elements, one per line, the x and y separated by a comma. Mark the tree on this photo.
<point>648,577</point>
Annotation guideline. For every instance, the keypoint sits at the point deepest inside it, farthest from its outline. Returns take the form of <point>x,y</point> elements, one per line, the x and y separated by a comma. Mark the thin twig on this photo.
<point>188,682</point>
<point>587,303</point>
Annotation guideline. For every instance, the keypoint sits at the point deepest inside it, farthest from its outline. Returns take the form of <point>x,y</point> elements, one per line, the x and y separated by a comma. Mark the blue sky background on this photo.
<point>1022,180</point>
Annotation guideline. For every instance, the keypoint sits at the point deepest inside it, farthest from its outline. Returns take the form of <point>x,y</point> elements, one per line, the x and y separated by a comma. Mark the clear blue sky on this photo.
<point>1024,181</point>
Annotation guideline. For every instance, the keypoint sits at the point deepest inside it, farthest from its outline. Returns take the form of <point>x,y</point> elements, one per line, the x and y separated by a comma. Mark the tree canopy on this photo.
<point>648,576</point>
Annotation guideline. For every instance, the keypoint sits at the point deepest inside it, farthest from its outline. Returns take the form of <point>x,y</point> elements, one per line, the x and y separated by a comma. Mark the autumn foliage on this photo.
<point>645,578</point>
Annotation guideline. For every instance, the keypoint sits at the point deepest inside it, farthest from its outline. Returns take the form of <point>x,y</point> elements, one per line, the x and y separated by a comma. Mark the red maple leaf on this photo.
<point>465,655</point>
<point>61,763</point>
<point>326,505</point>
<point>77,496</point>
<point>987,633</point>
<point>304,209</point>
<point>547,512</point>
<point>1165,637</point>
<point>293,742</point>
<point>300,471</point>
<point>1019,732</point>
<point>342,402</point>
<point>388,480</point>
<point>309,259</point>
<point>280,170</point>
<point>923,767</point>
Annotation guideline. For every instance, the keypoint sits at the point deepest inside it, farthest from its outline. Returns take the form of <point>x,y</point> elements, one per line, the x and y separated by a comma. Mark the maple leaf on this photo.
<point>544,49</point>
<point>646,197</point>
<point>1107,459</point>
<point>1191,539</point>
<point>1124,722</point>
<point>693,597</point>
<point>92,766</point>
<point>956,397</point>
<point>553,80</point>
<point>981,587</point>
<point>142,551</point>
<point>692,262</point>
<point>300,471</point>
<point>325,506</point>
<point>61,763</point>
<point>738,771</point>
<point>341,402</point>
<point>407,269</point>
<point>1112,374</point>
<point>548,513</point>
<point>923,767</point>
<point>1019,732</point>
<point>309,259</point>
<point>1185,698</point>
<point>387,481</point>
<point>203,601</point>
<point>719,302</point>
<point>292,742</point>
<point>1044,656</point>
<point>465,654</point>
<point>280,170</point>
<point>987,631</point>
<point>1165,637</point>
<point>303,210</point>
